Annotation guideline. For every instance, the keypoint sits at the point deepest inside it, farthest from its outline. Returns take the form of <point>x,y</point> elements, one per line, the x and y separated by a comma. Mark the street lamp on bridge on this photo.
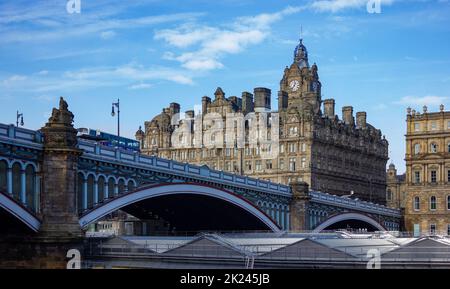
<point>19,116</point>
<point>116,104</point>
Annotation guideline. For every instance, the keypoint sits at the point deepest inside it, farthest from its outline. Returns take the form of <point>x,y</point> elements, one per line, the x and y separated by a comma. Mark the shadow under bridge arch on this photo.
<point>188,207</point>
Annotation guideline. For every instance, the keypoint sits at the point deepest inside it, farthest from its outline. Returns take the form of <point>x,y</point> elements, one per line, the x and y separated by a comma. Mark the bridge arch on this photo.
<point>247,210</point>
<point>10,208</point>
<point>347,217</point>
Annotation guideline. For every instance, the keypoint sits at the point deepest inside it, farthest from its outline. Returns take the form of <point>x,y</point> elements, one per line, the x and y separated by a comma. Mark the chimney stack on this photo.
<point>205,101</point>
<point>262,99</point>
<point>347,115</point>
<point>247,102</point>
<point>361,119</point>
<point>328,107</point>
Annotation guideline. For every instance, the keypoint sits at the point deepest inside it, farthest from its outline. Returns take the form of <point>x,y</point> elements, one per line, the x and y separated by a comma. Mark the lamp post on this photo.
<point>19,116</point>
<point>116,104</point>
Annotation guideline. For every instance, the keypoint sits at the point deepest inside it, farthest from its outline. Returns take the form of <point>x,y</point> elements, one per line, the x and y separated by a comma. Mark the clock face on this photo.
<point>294,85</point>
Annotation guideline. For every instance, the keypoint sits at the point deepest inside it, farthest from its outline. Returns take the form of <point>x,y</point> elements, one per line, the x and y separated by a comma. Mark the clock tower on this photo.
<point>300,86</point>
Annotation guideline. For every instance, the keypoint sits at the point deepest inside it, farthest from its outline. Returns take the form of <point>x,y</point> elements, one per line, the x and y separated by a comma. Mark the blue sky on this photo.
<point>151,53</point>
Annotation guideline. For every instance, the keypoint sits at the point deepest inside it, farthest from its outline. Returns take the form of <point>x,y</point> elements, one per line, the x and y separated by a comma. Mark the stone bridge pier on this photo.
<point>60,230</point>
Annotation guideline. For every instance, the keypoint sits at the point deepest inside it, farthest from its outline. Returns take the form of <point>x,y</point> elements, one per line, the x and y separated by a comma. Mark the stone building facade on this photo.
<point>427,181</point>
<point>331,154</point>
<point>396,188</point>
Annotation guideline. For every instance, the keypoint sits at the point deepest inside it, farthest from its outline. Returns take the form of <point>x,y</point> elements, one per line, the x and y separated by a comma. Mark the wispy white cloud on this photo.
<point>13,79</point>
<point>107,34</point>
<point>210,44</point>
<point>422,100</point>
<point>64,26</point>
<point>43,72</point>
<point>339,5</point>
<point>131,76</point>
<point>140,86</point>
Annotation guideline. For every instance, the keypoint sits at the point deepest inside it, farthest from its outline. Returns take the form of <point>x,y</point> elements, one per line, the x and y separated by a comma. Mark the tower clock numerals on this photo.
<point>294,85</point>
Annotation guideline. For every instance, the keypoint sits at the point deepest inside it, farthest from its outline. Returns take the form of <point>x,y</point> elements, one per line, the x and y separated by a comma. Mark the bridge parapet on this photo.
<point>13,133</point>
<point>96,151</point>
<point>357,205</point>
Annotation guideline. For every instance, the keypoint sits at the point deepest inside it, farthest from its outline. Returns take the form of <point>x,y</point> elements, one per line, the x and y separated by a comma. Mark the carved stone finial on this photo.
<point>59,131</point>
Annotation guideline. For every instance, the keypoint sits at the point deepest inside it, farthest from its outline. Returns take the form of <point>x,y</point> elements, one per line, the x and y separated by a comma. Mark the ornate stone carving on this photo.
<point>59,131</point>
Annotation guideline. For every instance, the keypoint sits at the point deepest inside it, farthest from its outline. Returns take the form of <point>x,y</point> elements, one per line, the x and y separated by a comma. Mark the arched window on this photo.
<point>433,148</point>
<point>3,176</point>
<point>417,149</point>
<point>101,188</point>
<point>17,180</point>
<point>121,186</point>
<point>131,186</point>
<point>90,191</point>
<point>111,187</point>
<point>433,203</point>
<point>417,203</point>
<point>30,186</point>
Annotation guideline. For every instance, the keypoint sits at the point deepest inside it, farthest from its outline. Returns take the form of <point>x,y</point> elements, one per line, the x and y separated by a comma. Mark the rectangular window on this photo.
<point>292,164</point>
<point>248,165</point>
<point>433,125</point>
<point>281,164</point>
<point>247,151</point>
<point>303,163</point>
<point>416,230</point>
<point>448,202</point>
<point>433,177</point>
<point>258,165</point>
<point>417,126</point>
<point>432,229</point>
<point>268,164</point>
<point>448,230</point>
<point>417,177</point>
<point>282,148</point>
<point>448,176</point>
<point>227,166</point>
<point>448,124</point>
<point>292,147</point>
